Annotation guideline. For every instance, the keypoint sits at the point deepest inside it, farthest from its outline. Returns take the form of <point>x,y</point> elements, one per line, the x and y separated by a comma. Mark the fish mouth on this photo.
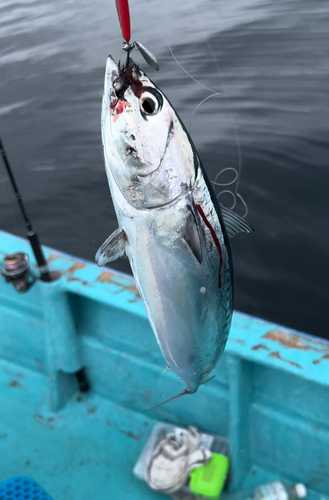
<point>111,74</point>
<point>119,78</point>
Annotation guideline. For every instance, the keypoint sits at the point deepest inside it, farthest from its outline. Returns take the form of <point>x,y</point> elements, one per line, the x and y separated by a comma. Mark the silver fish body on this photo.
<point>170,224</point>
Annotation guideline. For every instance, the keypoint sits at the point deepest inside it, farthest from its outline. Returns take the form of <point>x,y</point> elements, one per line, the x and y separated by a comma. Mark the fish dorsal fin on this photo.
<point>190,235</point>
<point>234,223</point>
<point>112,248</point>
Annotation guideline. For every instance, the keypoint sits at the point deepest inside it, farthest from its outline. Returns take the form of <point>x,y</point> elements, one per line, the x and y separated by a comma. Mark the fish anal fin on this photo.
<point>112,248</point>
<point>190,235</point>
<point>234,223</point>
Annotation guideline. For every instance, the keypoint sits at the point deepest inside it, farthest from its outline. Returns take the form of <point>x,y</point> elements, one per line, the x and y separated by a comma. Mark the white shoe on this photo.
<point>173,460</point>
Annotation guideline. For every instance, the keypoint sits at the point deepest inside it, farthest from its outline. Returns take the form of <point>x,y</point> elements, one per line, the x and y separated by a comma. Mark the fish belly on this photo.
<point>189,315</point>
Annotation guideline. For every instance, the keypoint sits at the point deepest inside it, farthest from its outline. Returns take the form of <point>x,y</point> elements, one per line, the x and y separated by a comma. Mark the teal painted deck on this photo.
<point>269,397</point>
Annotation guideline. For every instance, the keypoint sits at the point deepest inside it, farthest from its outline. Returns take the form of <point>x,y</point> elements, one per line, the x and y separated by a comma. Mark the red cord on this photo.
<point>216,241</point>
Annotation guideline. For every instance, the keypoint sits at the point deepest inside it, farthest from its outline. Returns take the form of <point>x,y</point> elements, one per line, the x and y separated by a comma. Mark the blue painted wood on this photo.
<point>269,397</point>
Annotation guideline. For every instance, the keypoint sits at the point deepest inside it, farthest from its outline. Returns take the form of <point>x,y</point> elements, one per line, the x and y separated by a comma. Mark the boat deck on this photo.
<point>269,397</point>
<point>86,451</point>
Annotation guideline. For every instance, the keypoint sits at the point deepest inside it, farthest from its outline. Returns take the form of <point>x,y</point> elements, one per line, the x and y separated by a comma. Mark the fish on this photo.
<point>170,224</point>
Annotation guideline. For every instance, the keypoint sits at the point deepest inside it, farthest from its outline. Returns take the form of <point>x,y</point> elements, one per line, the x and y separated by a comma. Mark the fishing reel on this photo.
<point>16,270</point>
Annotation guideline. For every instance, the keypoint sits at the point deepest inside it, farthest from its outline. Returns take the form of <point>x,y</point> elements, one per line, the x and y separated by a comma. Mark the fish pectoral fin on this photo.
<point>191,237</point>
<point>112,248</point>
<point>234,223</point>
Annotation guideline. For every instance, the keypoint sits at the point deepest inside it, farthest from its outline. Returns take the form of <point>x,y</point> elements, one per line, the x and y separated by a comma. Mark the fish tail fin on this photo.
<point>208,380</point>
<point>185,391</point>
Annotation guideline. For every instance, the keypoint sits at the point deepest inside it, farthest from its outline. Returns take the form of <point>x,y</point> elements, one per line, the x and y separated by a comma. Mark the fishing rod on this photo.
<point>31,233</point>
<point>19,275</point>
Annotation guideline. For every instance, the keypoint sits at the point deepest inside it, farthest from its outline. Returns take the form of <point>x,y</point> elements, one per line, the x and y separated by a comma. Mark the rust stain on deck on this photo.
<point>45,420</point>
<point>238,341</point>
<point>136,437</point>
<point>128,288</point>
<point>293,341</point>
<point>14,383</point>
<point>260,346</point>
<point>53,256</point>
<point>73,278</point>
<point>76,266</point>
<point>318,361</point>
<point>108,277</point>
<point>277,355</point>
<point>105,277</point>
<point>131,435</point>
<point>91,410</point>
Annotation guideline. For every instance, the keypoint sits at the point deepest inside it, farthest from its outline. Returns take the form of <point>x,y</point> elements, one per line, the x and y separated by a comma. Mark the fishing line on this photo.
<point>230,183</point>
<point>227,169</point>
<point>214,93</point>
<point>173,55</point>
<point>198,106</point>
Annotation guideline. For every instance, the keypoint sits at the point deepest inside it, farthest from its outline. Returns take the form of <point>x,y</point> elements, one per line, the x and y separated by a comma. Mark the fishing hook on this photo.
<point>124,20</point>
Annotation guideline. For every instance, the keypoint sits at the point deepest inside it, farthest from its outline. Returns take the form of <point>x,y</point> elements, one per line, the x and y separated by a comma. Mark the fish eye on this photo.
<point>151,102</point>
<point>149,105</point>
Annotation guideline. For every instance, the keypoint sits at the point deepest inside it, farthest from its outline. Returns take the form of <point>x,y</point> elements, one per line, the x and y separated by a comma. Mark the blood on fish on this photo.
<point>113,103</point>
<point>119,108</point>
<point>137,87</point>
<point>216,241</point>
<point>129,77</point>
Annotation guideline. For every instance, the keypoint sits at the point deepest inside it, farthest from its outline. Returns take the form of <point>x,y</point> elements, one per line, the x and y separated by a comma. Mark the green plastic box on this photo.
<point>208,480</point>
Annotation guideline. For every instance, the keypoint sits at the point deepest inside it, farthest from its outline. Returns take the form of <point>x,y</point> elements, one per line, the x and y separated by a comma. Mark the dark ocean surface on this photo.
<point>270,58</point>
